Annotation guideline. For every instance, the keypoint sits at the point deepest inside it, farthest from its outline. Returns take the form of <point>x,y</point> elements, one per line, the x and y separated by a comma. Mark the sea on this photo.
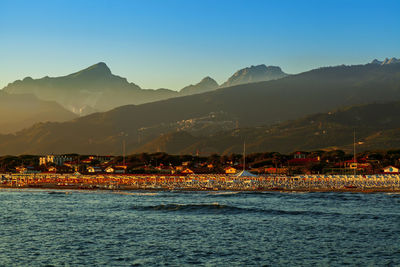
<point>176,228</point>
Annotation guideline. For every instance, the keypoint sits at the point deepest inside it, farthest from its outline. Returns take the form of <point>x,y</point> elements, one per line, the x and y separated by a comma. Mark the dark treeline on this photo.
<point>335,161</point>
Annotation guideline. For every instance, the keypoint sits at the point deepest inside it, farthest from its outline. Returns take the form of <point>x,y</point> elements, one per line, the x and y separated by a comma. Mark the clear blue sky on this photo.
<point>173,43</point>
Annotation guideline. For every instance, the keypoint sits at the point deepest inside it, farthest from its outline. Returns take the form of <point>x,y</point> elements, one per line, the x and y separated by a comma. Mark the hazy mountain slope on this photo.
<point>97,89</point>
<point>21,111</point>
<point>252,74</point>
<point>262,103</point>
<point>94,87</point>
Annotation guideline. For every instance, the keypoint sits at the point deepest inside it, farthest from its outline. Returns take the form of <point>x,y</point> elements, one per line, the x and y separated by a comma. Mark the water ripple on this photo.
<point>39,227</point>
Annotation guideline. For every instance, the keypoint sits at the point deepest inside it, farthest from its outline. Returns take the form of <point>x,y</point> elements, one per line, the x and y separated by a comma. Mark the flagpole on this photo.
<point>244,155</point>
<point>354,153</point>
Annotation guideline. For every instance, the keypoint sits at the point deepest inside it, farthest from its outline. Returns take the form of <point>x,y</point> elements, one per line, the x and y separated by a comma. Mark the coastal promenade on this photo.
<point>366,183</point>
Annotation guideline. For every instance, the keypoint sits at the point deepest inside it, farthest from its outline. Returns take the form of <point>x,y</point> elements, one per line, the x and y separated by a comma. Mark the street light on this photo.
<point>123,135</point>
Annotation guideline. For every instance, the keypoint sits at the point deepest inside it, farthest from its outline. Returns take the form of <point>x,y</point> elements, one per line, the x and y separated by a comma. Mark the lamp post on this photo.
<point>123,135</point>
<point>354,154</point>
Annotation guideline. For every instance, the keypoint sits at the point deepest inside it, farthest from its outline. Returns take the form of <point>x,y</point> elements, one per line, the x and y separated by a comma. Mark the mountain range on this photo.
<point>386,61</point>
<point>92,89</point>
<point>96,89</point>
<point>265,114</point>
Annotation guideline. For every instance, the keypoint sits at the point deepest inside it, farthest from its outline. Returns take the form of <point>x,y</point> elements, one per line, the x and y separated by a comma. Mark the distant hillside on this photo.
<point>92,89</point>
<point>244,106</point>
<point>377,126</point>
<point>97,89</point>
<point>22,111</point>
<point>253,74</point>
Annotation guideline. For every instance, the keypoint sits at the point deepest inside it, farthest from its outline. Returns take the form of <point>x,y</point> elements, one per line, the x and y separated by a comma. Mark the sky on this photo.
<point>174,43</point>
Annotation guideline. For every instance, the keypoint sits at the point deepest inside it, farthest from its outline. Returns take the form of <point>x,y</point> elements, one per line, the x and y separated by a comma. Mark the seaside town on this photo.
<point>318,170</point>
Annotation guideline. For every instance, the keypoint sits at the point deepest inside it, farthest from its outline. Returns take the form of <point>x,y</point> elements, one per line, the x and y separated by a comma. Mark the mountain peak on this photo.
<point>375,61</point>
<point>99,69</point>
<point>256,73</point>
<point>386,61</point>
<point>208,80</point>
<point>205,85</point>
<point>100,65</point>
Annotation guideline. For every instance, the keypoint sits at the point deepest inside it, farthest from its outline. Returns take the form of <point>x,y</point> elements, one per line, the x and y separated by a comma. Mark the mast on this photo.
<point>123,136</point>
<point>244,155</point>
<point>123,152</point>
<point>354,153</point>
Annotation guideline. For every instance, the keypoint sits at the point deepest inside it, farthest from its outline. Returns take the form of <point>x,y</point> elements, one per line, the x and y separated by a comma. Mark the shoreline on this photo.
<point>188,189</point>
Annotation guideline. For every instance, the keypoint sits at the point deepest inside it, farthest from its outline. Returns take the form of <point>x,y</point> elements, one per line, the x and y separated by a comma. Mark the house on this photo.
<point>94,169</point>
<point>21,169</point>
<point>357,164</point>
<point>100,158</point>
<point>86,161</point>
<point>55,159</point>
<point>73,165</point>
<point>115,169</point>
<point>230,170</point>
<point>187,171</point>
<point>390,169</point>
<point>299,155</point>
<point>28,169</point>
<point>165,169</point>
<point>109,169</point>
<point>52,169</point>
<point>179,168</point>
<point>272,170</point>
<point>120,168</point>
<point>302,159</point>
<point>360,165</point>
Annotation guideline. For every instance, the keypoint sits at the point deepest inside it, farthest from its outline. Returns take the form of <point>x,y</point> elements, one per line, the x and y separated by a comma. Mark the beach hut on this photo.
<point>230,170</point>
<point>245,173</point>
<point>391,169</point>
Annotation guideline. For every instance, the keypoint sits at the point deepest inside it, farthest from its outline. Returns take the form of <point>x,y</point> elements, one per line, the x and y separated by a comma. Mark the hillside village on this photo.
<point>299,162</point>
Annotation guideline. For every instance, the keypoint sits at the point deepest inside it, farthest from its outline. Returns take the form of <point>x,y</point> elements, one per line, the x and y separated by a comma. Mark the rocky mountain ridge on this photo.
<point>252,74</point>
<point>386,61</point>
<point>97,89</point>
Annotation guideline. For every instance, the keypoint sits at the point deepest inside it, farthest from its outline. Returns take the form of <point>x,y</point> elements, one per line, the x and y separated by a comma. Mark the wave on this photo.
<point>63,193</point>
<point>393,194</point>
<point>135,194</point>
<point>217,208</point>
<point>202,207</point>
<point>223,193</point>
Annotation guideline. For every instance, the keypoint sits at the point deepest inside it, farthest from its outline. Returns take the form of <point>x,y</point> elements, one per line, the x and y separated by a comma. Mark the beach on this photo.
<point>213,182</point>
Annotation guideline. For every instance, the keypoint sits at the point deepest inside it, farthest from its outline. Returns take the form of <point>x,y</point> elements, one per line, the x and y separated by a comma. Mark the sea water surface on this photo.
<point>73,228</point>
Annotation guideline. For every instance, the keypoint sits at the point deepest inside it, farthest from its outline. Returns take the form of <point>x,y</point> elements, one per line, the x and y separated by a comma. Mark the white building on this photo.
<point>390,169</point>
<point>94,169</point>
<point>116,169</point>
<point>109,169</point>
<point>56,159</point>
